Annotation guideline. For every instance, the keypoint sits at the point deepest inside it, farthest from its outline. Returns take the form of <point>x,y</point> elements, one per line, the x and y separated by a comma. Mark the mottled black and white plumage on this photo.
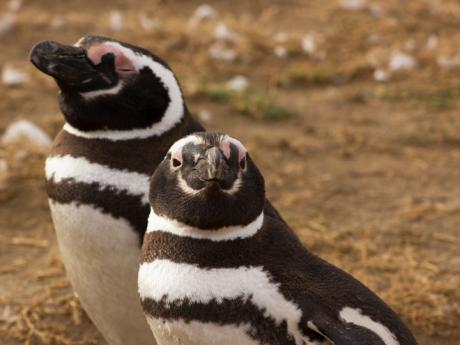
<point>123,109</point>
<point>218,270</point>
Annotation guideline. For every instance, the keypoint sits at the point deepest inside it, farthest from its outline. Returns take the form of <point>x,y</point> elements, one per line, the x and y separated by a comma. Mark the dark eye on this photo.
<point>176,162</point>
<point>243,163</point>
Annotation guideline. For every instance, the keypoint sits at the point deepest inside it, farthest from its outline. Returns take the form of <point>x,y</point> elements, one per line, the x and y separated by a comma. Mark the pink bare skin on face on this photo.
<point>123,64</point>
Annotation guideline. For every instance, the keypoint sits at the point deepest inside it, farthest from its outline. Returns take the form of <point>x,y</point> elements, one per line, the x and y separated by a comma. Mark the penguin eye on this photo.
<point>243,163</point>
<point>176,163</point>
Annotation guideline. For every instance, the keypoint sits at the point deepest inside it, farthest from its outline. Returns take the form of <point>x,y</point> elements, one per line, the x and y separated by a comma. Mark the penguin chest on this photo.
<point>100,254</point>
<point>189,304</point>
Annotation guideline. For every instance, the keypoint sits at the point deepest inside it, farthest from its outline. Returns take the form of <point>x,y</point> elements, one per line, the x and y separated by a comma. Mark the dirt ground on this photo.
<point>361,158</point>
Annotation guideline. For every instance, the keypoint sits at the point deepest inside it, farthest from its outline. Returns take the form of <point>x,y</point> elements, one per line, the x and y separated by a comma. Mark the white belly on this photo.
<point>177,332</point>
<point>101,254</point>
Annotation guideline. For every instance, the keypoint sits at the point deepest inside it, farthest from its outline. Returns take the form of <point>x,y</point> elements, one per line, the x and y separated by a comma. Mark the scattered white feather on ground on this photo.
<point>400,61</point>
<point>7,21</point>
<point>238,83</point>
<point>353,5</point>
<point>3,166</point>
<point>448,62</point>
<point>3,172</point>
<point>116,21</point>
<point>220,51</point>
<point>146,22</point>
<point>57,22</point>
<point>308,44</point>
<point>3,176</point>
<point>24,130</point>
<point>410,44</point>
<point>14,5</point>
<point>281,37</point>
<point>7,315</point>
<point>204,115</point>
<point>375,10</point>
<point>432,42</point>
<point>280,52</point>
<point>202,12</point>
<point>222,32</point>
<point>12,76</point>
<point>374,39</point>
<point>381,75</point>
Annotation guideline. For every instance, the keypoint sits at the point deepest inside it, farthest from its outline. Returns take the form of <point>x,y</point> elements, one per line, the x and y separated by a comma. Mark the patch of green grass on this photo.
<point>258,104</point>
<point>419,140</point>
<point>213,92</point>
<point>277,112</point>
<point>437,100</point>
<point>428,140</point>
<point>218,95</point>
<point>250,102</point>
<point>308,77</point>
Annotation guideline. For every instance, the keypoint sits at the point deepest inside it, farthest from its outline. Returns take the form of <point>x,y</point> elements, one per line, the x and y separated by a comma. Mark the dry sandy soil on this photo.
<point>366,171</point>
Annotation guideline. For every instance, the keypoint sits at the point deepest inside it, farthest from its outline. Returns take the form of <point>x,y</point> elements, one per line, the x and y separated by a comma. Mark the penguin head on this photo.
<point>109,85</point>
<point>208,180</point>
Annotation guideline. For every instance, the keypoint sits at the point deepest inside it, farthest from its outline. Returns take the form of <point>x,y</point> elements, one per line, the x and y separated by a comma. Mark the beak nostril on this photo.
<point>243,163</point>
<point>176,163</point>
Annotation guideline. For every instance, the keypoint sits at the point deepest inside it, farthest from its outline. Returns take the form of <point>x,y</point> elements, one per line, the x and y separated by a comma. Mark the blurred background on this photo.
<point>349,107</point>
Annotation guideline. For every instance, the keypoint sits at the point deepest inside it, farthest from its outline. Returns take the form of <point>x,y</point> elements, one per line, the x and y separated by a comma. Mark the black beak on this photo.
<point>213,169</point>
<point>70,66</point>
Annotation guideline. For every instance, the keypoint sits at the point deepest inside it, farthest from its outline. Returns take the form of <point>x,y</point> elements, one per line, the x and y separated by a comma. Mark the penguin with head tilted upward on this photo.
<point>216,270</point>
<point>123,109</point>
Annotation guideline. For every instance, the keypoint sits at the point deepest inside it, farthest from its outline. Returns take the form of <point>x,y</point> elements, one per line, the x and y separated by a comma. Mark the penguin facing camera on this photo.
<point>216,270</point>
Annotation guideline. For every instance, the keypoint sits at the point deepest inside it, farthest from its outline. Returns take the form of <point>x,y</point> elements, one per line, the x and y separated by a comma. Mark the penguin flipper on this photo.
<point>339,332</point>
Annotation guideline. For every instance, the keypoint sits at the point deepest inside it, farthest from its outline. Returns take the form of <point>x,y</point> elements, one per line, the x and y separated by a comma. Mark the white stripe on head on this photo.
<point>227,233</point>
<point>183,185</point>
<point>355,316</point>
<point>225,147</point>
<point>172,115</point>
<point>96,93</point>
<point>60,168</point>
<point>176,149</point>
<point>170,282</point>
<point>176,153</point>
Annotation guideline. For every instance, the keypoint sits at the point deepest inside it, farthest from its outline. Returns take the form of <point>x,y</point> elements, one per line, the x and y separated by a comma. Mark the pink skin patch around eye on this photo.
<point>122,63</point>
<point>177,155</point>
<point>225,147</point>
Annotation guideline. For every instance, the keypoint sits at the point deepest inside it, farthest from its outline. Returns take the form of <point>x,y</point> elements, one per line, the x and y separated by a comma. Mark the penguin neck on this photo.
<point>138,155</point>
<point>171,118</point>
<point>162,223</point>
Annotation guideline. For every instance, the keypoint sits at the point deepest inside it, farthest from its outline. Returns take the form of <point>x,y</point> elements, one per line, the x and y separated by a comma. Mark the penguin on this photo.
<point>123,109</point>
<point>215,269</point>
